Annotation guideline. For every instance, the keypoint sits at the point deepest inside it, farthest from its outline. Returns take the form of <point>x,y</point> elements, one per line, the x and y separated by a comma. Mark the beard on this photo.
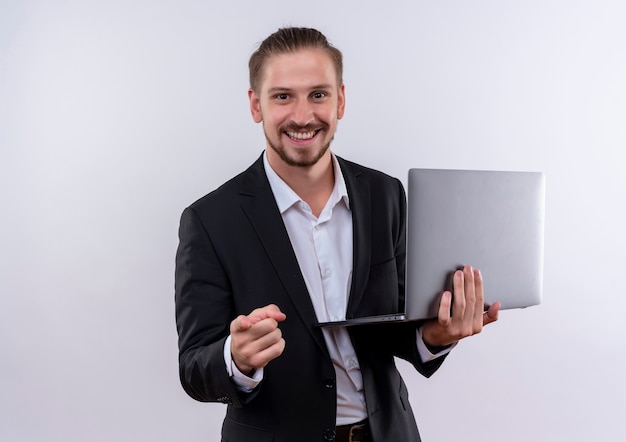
<point>306,158</point>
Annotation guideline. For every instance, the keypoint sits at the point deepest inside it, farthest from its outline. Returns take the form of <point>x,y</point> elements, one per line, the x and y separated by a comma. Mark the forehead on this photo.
<point>302,68</point>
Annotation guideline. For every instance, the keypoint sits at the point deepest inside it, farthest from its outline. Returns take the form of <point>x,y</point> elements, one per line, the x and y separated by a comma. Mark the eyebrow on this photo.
<point>287,89</point>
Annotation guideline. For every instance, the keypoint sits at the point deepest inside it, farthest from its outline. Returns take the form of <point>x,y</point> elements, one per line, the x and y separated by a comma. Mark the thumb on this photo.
<point>240,323</point>
<point>491,315</point>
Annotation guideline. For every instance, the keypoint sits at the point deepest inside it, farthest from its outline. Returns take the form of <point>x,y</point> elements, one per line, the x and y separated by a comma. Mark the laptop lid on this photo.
<point>492,220</point>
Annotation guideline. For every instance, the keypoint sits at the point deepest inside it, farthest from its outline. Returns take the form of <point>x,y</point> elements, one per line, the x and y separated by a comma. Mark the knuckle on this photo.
<point>457,335</point>
<point>246,354</point>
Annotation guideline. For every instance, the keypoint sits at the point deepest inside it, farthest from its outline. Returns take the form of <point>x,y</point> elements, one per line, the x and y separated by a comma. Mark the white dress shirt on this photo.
<point>323,246</point>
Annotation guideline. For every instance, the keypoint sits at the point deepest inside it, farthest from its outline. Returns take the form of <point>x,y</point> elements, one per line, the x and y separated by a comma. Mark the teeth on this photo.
<point>301,135</point>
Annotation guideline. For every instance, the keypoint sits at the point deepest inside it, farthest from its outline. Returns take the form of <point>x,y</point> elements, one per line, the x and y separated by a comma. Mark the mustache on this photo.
<point>292,127</point>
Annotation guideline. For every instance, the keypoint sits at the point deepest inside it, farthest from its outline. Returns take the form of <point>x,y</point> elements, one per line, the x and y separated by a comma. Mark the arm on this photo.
<point>206,322</point>
<point>204,310</point>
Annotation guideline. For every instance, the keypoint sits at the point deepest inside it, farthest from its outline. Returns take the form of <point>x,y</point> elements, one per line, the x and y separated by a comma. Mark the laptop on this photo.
<point>492,220</point>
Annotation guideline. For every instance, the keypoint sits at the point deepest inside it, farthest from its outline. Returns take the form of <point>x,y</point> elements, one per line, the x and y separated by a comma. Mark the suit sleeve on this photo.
<point>204,310</point>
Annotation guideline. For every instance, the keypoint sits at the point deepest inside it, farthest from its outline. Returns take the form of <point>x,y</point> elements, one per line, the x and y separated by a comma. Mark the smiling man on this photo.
<point>293,241</point>
<point>299,101</point>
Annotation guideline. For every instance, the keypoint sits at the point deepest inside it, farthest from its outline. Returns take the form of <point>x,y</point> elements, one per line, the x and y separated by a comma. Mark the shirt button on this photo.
<point>328,273</point>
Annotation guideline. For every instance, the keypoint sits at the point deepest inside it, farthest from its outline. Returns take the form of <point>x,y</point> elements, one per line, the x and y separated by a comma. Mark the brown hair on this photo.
<point>287,40</point>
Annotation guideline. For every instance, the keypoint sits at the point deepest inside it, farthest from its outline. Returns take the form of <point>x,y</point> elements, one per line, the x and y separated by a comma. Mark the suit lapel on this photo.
<point>360,205</point>
<point>260,207</point>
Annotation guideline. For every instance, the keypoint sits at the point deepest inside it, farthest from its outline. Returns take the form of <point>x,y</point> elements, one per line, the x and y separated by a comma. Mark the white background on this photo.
<point>115,115</point>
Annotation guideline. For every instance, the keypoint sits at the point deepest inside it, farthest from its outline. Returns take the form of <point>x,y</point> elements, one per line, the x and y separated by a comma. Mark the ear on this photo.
<point>255,106</point>
<point>341,101</point>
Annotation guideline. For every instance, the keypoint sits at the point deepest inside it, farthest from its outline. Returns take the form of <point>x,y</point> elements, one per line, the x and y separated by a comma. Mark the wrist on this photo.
<point>434,349</point>
<point>244,369</point>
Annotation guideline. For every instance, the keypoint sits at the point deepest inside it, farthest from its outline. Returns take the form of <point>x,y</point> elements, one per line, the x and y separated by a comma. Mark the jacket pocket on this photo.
<point>233,431</point>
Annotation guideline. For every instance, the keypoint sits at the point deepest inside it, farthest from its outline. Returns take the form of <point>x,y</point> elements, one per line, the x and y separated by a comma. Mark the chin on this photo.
<point>294,158</point>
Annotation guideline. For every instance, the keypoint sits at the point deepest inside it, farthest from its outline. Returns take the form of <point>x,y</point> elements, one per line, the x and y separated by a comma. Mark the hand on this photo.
<point>468,316</point>
<point>256,338</point>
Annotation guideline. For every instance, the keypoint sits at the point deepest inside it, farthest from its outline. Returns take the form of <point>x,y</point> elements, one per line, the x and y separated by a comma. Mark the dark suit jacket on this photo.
<point>235,255</point>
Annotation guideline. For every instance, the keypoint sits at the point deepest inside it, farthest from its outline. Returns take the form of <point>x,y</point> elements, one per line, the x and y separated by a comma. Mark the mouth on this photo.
<point>302,136</point>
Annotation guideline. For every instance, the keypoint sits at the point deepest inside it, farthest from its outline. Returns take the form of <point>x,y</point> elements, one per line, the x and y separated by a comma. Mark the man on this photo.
<point>304,236</point>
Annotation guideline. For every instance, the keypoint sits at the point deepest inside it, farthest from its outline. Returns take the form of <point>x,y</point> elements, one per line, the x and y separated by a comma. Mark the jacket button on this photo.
<point>329,435</point>
<point>329,382</point>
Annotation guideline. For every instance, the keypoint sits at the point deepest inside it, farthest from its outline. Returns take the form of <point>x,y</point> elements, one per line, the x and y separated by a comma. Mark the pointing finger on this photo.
<point>269,311</point>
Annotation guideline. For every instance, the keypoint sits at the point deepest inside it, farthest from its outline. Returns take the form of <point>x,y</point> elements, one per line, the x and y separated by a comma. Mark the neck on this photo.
<point>313,184</point>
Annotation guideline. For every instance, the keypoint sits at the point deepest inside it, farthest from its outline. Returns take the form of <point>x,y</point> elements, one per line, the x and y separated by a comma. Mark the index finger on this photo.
<point>269,311</point>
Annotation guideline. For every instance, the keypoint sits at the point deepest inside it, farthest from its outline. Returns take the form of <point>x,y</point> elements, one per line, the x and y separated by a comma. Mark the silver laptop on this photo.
<point>492,220</point>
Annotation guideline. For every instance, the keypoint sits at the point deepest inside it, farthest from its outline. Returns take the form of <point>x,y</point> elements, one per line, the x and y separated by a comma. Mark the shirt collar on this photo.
<point>286,197</point>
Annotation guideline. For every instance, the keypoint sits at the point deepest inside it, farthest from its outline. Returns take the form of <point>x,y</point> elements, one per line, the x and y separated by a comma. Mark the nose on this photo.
<point>302,113</point>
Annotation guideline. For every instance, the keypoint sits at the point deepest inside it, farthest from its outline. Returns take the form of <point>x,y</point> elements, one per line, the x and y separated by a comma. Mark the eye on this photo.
<point>281,96</point>
<point>319,95</point>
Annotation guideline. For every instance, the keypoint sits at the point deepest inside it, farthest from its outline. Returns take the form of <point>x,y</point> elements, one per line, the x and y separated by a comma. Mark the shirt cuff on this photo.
<point>243,382</point>
<point>425,353</point>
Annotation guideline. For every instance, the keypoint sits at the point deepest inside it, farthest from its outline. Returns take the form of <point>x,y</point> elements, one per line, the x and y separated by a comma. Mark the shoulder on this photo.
<point>355,173</point>
<point>249,181</point>
<point>352,168</point>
